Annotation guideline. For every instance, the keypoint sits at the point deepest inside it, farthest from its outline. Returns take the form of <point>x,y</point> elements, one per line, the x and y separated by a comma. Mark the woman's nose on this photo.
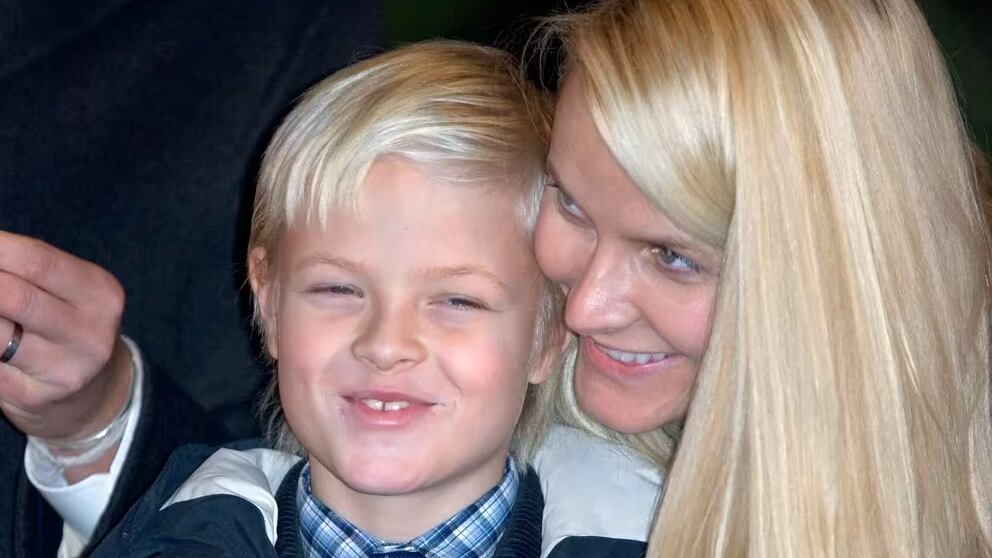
<point>599,300</point>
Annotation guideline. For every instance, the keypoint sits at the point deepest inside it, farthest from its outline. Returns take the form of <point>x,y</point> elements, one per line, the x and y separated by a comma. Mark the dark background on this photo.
<point>964,29</point>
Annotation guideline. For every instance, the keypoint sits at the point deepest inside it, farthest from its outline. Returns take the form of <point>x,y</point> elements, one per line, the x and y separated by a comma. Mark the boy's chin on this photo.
<point>381,475</point>
<point>384,485</point>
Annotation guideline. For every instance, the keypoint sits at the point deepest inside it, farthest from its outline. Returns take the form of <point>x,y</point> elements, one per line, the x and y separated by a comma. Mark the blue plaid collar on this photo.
<point>470,533</point>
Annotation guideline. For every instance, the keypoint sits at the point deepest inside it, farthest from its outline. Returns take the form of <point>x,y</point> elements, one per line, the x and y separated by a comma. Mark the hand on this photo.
<point>71,374</point>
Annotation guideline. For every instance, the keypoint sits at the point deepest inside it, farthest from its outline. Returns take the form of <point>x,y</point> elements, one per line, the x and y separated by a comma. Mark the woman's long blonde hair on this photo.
<point>842,408</point>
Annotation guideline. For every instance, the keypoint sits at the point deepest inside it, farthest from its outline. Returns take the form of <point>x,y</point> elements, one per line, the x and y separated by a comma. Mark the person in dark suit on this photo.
<point>131,132</point>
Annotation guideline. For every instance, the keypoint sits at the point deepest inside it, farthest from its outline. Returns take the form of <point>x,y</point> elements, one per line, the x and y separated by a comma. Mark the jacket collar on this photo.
<point>521,536</point>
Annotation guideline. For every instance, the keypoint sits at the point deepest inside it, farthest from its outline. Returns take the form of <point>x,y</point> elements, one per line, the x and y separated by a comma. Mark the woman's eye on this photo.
<point>337,290</point>
<point>670,259</point>
<point>568,205</point>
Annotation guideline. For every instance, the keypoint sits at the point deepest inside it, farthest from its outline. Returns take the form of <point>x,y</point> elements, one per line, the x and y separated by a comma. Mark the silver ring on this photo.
<point>13,344</point>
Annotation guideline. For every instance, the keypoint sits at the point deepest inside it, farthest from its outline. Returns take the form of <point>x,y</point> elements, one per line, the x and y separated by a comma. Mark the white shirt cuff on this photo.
<point>82,504</point>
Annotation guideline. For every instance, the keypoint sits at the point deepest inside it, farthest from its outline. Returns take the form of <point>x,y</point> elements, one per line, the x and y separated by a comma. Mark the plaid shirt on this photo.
<point>470,533</point>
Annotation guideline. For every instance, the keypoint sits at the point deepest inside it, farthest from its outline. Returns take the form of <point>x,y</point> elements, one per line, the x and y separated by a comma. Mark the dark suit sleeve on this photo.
<point>169,418</point>
<point>220,526</point>
<point>130,136</point>
<point>30,528</point>
<point>217,526</point>
<point>598,547</point>
<point>20,504</point>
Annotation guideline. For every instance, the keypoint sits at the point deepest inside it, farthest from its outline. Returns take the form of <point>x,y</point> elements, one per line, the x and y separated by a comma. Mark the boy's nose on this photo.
<point>389,341</point>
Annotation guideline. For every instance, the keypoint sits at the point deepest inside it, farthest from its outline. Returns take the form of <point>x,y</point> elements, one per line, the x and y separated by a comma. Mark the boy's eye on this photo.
<point>464,303</point>
<point>337,290</point>
<point>568,205</point>
<point>670,259</point>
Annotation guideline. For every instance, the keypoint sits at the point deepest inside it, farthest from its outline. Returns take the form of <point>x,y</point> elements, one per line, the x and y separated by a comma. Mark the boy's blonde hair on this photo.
<point>842,408</point>
<point>460,110</point>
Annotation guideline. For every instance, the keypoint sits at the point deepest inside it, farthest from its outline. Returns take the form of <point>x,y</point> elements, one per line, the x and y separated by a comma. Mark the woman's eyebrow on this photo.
<point>675,239</point>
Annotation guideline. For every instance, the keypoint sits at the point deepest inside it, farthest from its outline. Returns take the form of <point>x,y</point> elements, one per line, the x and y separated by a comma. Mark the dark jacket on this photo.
<point>228,526</point>
<point>130,135</point>
<point>31,529</point>
<point>131,132</point>
<point>598,547</point>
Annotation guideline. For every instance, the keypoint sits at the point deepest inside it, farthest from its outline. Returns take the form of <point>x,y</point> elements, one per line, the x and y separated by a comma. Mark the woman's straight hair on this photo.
<point>842,408</point>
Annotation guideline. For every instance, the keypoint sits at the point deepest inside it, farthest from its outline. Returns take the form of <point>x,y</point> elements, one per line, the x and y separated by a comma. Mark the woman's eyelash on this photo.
<point>673,260</point>
<point>568,205</point>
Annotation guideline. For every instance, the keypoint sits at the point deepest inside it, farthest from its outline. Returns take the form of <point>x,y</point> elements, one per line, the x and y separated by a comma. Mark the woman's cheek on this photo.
<point>700,319</point>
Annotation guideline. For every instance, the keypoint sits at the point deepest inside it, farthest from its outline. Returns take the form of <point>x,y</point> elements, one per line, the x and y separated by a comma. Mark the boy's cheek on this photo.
<point>490,365</point>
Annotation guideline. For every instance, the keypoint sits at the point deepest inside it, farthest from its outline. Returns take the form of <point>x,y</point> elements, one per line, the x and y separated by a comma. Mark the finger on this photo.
<point>31,401</point>
<point>23,391</point>
<point>37,310</point>
<point>60,273</point>
<point>40,370</point>
<point>23,399</point>
<point>10,348</point>
<point>36,356</point>
<point>29,356</point>
<point>59,362</point>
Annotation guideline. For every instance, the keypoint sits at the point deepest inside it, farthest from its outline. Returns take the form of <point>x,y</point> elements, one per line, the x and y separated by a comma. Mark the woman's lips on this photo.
<point>624,364</point>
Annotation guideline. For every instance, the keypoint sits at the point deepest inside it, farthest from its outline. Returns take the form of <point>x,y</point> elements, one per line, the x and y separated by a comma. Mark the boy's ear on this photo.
<point>260,277</point>
<point>551,357</point>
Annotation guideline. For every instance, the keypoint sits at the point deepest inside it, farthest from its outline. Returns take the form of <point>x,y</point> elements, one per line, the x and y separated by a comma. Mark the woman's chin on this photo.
<point>628,411</point>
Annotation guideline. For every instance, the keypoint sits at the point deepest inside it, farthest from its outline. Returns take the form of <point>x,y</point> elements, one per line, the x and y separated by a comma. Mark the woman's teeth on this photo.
<point>634,358</point>
<point>387,406</point>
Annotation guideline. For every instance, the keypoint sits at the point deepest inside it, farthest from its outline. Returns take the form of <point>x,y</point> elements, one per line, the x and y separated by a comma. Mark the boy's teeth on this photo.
<point>634,358</point>
<point>377,405</point>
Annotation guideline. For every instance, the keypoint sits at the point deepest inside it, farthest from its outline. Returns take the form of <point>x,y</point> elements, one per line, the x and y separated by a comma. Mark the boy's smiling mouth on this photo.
<point>382,409</point>
<point>387,406</point>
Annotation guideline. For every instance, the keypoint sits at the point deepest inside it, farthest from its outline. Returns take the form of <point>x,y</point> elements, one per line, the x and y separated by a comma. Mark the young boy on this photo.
<point>397,293</point>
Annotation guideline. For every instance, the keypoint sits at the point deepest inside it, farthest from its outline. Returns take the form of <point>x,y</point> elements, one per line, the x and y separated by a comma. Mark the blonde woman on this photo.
<point>768,225</point>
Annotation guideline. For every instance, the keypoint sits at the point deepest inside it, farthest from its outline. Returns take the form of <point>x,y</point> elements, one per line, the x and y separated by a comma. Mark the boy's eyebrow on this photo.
<point>443,272</point>
<point>329,259</point>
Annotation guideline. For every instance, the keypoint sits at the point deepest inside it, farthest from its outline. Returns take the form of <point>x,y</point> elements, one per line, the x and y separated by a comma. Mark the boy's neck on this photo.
<point>401,518</point>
